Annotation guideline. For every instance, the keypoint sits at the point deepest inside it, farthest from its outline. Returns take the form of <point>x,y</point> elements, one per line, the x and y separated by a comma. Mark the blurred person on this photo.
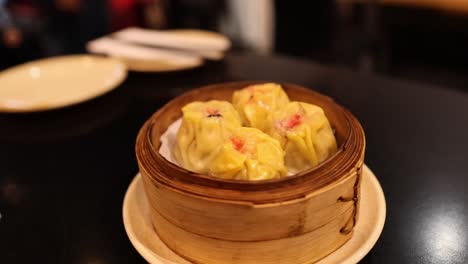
<point>137,13</point>
<point>31,29</point>
<point>36,28</point>
<point>11,36</point>
<point>20,27</point>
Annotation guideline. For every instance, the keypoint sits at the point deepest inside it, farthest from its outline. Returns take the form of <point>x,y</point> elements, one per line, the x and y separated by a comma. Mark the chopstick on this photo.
<point>174,39</point>
<point>117,48</point>
<point>206,54</point>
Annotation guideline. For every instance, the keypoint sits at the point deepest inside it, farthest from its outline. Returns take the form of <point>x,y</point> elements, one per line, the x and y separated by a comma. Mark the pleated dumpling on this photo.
<point>249,154</point>
<point>304,133</point>
<point>205,127</point>
<point>255,102</point>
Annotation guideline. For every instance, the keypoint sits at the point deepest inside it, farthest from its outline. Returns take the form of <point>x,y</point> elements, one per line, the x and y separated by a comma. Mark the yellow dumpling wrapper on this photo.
<point>254,103</point>
<point>205,127</point>
<point>304,133</point>
<point>249,154</point>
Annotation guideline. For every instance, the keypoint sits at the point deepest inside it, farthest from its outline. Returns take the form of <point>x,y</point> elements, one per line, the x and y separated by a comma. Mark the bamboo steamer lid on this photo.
<point>295,219</point>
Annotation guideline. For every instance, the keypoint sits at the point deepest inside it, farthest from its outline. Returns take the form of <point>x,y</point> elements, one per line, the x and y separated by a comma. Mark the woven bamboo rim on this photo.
<point>349,157</point>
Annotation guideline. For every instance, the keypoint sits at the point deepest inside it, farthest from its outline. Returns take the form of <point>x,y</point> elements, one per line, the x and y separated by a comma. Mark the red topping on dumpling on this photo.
<point>238,143</point>
<point>292,121</point>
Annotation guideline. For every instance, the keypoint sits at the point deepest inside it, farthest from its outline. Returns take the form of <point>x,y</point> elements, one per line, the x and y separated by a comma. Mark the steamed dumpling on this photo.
<point>255,102</point>
<point>248,154</point>
<point>205,127</point>
<point>304,133</point>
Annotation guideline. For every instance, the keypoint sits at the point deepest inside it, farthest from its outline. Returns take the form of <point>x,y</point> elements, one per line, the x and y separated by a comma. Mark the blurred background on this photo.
<point>423,40</point>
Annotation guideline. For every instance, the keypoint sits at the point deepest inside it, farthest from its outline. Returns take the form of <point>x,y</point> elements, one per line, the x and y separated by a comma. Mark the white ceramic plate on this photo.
<point>57,82</point>
<point>137,222</point>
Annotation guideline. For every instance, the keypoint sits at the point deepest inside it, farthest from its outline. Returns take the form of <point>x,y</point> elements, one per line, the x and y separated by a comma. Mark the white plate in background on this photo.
<point>148,50</point>
<point>58,82</point>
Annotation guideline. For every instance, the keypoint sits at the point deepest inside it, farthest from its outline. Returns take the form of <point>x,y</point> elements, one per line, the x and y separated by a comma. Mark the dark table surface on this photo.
<point>64,173</point>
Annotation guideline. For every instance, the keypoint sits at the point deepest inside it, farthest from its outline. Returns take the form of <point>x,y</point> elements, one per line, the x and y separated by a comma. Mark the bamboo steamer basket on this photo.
<point>295,219</point>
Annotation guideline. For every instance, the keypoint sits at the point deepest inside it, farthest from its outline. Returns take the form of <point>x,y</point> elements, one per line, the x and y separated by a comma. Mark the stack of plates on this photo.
<point>160,51</point>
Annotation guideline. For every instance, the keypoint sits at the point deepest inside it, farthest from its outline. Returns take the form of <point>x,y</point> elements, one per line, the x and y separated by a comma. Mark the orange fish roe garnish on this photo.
<point>238,143</point>
<point>212,112</point>
<point>292,121</point>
